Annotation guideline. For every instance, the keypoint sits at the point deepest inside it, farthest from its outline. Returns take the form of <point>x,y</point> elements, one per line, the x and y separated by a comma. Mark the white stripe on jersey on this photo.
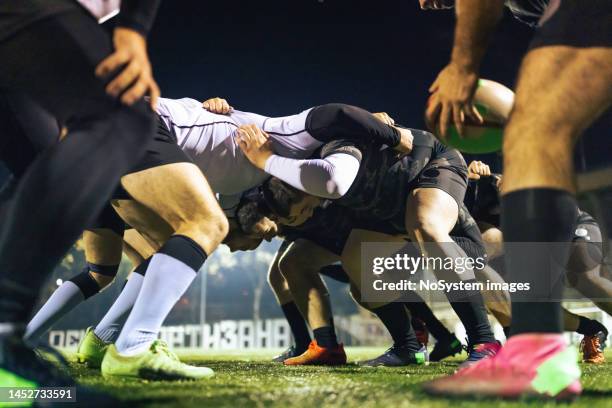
<point>209,140</point>
<point>102,9</point>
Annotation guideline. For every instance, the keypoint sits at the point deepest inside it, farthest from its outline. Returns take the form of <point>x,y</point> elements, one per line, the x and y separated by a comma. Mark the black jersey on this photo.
<point>328,227</point>
<point>482,200</point>
<point>384,179</point>
<point>527,11</point>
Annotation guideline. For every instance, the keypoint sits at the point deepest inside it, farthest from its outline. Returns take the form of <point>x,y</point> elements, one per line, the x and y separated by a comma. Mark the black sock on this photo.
<point>421,311</point>
<point>297,325</point>
<point>589,327</point>
<point>417,324</point>
<point>537,215</point>
<point>326,337</point>
<point>469,306</point>
<point>397,321</point>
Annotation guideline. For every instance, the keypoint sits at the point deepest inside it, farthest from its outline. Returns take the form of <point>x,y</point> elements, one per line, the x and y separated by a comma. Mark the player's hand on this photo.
<point>217,105</point>
<point>135,78</point>
<point>478,169</point>
<point>404,147</point>
<point>436,4</point>
<point>451,100</point>
<point>255,145</point>
<point>384,118</point>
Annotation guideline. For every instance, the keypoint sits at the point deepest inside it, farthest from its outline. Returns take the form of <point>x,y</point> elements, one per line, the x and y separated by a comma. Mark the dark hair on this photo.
<point>248,215</point>
<point>280,197</point>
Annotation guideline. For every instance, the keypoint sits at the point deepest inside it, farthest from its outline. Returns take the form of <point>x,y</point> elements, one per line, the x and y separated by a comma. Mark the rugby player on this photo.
<point>585,265</point>
<point>308,251</point>
<point>418,195</point>
<point>187,230</point>
<point>564,84</point>
<point>80,83</point>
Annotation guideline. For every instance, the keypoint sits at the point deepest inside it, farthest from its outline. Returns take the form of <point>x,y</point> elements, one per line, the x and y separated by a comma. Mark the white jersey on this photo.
<point>102,9</point>
<point>209,140</point>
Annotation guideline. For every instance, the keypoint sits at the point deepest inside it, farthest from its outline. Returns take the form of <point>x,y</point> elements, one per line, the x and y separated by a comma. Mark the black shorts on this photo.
<point>447,172</point>
<point>329,228</point>
<point>163,150</point>
<point>575,23</point>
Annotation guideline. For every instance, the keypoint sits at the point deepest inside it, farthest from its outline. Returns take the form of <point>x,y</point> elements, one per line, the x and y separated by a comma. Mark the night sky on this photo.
<point>277,57</point>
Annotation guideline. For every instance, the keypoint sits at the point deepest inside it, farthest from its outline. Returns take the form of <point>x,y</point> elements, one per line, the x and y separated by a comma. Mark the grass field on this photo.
<point>251,380</point>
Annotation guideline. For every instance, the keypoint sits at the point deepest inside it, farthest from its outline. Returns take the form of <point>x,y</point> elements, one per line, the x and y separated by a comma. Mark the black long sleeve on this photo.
<point>335,121</point>
<point>138,14</point>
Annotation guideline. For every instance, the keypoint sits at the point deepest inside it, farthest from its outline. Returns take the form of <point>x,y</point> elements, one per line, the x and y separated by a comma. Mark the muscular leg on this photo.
<point>105,139</point>
<point>179,194</point>
<point>139,251</point>
<point>493,240</point>
<point>430,215</point>
<point>394,315</point>
<point>560,92</point>
<point>300,265</point>
<point>100,246</point>
<point>283,294</point>
<point>103,255</point>
<point>136,247</point>
<point>497,301</point>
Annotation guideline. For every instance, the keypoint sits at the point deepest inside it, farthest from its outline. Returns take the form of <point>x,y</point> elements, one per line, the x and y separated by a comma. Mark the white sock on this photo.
<point>166,281</point>
<point>64,299</point>
<point>108,328</point>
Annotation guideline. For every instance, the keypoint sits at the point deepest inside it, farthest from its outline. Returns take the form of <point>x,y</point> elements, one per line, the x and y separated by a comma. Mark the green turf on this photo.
<point>250,380</point>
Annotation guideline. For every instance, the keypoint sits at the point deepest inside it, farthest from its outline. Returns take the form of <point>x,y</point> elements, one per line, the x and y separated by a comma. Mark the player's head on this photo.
<point>238,240</point>
<point>253,222</point>
<point>250,227</point>
<point>436,4</point>
<point>288,205</point>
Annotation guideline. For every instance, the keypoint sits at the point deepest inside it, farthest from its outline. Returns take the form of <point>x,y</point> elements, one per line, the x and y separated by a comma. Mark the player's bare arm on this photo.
<point>453,89</point>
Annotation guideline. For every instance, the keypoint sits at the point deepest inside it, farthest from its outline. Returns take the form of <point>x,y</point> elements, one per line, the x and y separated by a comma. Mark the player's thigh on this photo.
<point>177,192</point>
<point>153,228</point>
<point>432,211</point>
<point>561,90</point>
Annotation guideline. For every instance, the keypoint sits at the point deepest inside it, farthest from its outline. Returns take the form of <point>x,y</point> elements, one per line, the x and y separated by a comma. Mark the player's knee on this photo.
<point>430,229</point>
<point>287,266</point>
<point>211,228</point>
<point>275,278</point>
<point>219,227</point>
<point>104,275</point>
<point>584,256</point>
<point>90,283</point>
<point>291,264</point>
